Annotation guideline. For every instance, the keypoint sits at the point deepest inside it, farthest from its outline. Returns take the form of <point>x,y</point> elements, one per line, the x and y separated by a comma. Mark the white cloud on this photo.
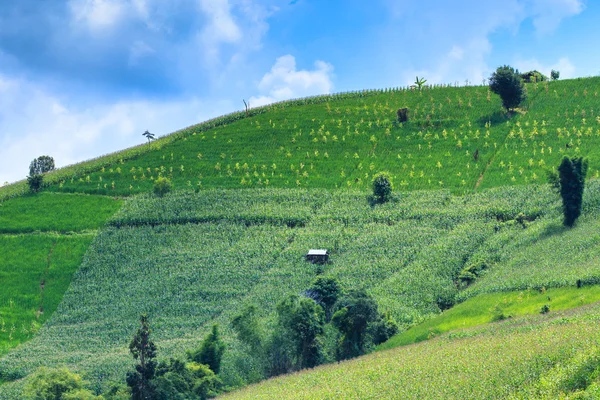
<point>547,14</point>
<point>563,65</point>
<point>34,122</point>
<point>285,82</point>
<point>221,27</point>
<point>96,14</point>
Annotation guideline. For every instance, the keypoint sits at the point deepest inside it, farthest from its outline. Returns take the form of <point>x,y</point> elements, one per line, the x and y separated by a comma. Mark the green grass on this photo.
<point>487,308</point>
<point>27,261</point>
<point>193,259</point>
<point>343,142</point>
<point>56,212</point>
<point>550,356</point>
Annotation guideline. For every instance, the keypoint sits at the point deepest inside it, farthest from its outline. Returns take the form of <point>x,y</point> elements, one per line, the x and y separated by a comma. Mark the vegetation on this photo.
<point>571,177</point>
<point>144,351</point>
<point>382,187</point>
<point>508,84</point>
<point>162,186</point>
<point>554,75</point>
<point>41,165</point>
<point>57,384</point>
<point>201,256</point>
<point>543,356</point>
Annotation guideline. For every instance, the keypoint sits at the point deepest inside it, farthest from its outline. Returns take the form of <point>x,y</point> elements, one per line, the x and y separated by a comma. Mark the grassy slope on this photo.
<point>343,143</point>
<point>547,356</point>
<point>43,239</point>
<point>406,253</point>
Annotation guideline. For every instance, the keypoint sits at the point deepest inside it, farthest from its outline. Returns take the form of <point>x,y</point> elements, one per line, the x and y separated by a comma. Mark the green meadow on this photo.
<point>253,192</point>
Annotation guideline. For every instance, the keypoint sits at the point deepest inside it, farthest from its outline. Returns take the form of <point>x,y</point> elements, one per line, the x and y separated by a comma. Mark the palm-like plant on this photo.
<point>149,136</point>
<point>420,82</point>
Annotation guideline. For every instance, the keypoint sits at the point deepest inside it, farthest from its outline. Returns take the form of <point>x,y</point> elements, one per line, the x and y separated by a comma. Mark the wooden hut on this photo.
<point>317,256</point>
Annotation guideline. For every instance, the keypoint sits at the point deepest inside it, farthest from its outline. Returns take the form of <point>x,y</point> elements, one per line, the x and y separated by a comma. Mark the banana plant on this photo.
<point>420,82</point>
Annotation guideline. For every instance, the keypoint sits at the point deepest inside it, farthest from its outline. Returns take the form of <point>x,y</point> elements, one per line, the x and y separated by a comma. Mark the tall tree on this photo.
<point>143,350</point>
<point>508,84</point>
<point>149,136</point>
<point>571,177</point>
<point>211,351</point>
<point>355,312</point>
<point>41,165</point>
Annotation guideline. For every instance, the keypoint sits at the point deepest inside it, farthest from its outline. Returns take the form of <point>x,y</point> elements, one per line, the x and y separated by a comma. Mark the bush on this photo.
<point>534,76</point>
<point>35,182</point>
<point>571,178</point>
<point>507,83</point>
<point>402,114</point>
<point>162,186</point>
<point>554,75</point>
<point>211,351</point>
<point>382,187</point>
<point>56,384</point>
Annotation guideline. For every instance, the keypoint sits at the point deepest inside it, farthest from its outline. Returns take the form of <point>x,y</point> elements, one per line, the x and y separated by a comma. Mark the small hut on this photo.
<point>317,256</point>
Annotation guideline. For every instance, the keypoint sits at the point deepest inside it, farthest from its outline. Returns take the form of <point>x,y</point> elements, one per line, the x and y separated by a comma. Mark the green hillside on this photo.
<point>97,249</point>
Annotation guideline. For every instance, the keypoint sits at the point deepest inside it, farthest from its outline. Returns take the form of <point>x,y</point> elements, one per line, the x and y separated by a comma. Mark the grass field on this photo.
<point>196,256</point>
<point>547,356</point>
<point>193,259</point>
<point>341,141</point>
<point>56,212</point>
<point>492,307</point>
<point>35,271</point>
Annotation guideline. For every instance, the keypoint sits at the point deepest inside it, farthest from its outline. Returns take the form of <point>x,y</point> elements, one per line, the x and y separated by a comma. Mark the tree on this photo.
<point>420,82</point>
<point>325,291</point>
<point>177,380</point>
<point>41,165</point>
<point>247,327</point>
<point>149,136</point>
<point>56,384</point>
<point>382,187</point>
<point>37,168</point>
<point>211,351</point>
<point>355,312</point>
<point>507,83</point>
<point>554,75</point>
<point>303,321</point>
<point>571,180</point>
<point>143,350</point>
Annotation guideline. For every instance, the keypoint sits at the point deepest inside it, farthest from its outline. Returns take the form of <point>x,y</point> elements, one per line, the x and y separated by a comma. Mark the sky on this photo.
<point>82,78</point>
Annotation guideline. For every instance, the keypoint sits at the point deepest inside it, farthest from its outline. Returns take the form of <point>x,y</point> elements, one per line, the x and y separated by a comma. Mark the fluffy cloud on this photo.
<point>34,122</point>
<point>96,14</point>
<point>547,14</point>
<point>284,81</point>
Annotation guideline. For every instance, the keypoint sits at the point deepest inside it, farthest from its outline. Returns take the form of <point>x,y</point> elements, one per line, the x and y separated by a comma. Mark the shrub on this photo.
<point>56,384</point>
<point>162,186</point>
<point>554,75</point>
<point>35,182</point>
<point>382,187</point>
<point>571,178</point>
<point>402,114</point>
<point>534,76</point>
<point>507,83</point>
<point>211,351</point>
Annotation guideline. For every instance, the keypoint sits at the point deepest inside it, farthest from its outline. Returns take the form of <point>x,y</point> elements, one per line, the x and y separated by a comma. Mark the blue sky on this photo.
<point>81,78</point>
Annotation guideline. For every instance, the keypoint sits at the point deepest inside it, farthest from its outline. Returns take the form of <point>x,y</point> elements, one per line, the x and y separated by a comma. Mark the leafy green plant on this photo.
<point>144,351</point>
<point>554,75</point>
<point>382,187</point>
<point>420,82</point>
<point>572,172</point>
<point>162,186</point>
<point>211,351</point>
<point>57,384</point>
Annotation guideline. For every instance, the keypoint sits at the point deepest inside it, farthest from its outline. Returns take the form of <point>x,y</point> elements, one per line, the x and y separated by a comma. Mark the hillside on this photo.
<point>97,249</point>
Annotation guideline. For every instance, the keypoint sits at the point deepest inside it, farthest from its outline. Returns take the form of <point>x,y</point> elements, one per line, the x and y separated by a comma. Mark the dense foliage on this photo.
<point>571,177</point>
<point>508,84</point>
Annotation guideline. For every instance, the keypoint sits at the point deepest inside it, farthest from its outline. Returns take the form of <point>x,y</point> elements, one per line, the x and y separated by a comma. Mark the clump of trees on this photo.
<point>56,384</point>
<point>534,76</point>
<point>37,168</point>
<point>570,183</point>
<point>554,75</point>
<point>508,84</point>
<point>322,325</point>
<point>174,379</point>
